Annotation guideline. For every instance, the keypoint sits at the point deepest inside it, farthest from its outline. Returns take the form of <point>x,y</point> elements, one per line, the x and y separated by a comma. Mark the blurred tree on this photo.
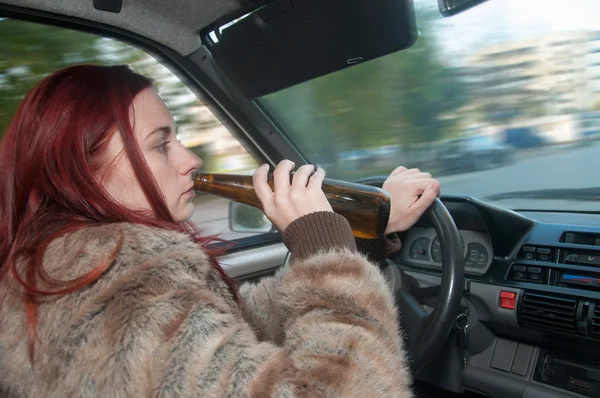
<point>398,99</point>
<point>424,90</point>
<point>31,51</point>
<point>185,106</point>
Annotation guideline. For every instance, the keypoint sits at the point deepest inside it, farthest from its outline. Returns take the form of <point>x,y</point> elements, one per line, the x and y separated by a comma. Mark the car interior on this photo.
<point>498,285</point>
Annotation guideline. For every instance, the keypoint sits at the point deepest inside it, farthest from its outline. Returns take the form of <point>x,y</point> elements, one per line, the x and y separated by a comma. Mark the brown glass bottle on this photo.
<point>366,208</point>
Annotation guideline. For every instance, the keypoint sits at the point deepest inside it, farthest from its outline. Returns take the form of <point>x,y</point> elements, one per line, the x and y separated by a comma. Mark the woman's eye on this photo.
<point>162,148</point>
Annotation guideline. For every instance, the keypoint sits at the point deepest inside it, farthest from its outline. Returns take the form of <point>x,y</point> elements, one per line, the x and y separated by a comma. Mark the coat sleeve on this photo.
<point>258,299</point>
<point>260,306</point>
<point>170,330</point>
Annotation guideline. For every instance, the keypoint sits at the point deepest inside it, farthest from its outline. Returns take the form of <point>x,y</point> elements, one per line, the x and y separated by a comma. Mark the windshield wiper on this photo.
<point>578,194</point>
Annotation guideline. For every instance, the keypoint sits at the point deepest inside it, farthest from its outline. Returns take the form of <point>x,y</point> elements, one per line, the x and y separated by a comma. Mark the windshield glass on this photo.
<point>501,102</point>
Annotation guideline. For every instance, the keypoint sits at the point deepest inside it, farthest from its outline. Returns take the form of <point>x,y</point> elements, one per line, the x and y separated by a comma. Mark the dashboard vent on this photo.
<point>581,238</point>
<point>596,321</point>
<point>542,311</point>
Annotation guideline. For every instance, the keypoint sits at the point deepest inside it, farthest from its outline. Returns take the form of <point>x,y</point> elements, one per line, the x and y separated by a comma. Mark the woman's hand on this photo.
<point>412,192</point>
<point>288,202</point>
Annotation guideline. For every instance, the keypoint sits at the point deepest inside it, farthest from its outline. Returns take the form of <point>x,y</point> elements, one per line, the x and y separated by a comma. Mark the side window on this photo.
<point>31,51</point>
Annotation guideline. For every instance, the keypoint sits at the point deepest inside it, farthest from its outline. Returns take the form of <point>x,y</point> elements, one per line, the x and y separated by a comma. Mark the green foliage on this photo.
<point>398,99</point>
<point>32,51</point>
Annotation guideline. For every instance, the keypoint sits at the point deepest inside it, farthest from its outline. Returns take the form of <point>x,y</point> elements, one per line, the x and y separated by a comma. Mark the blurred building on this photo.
<point>553,74</point>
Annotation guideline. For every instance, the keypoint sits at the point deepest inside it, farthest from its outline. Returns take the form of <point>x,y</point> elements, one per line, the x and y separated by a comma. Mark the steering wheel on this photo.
<point>427,332</point>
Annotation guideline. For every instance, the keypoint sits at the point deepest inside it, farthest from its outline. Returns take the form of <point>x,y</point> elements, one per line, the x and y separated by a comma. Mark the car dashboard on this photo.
<point>424,250</point>
<point>532,284</point>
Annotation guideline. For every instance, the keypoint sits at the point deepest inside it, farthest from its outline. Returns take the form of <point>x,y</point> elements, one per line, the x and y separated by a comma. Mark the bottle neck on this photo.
<point>238,188</point>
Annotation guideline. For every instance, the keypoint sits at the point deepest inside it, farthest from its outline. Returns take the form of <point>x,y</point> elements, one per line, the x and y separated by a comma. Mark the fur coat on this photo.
<point>160,322</point>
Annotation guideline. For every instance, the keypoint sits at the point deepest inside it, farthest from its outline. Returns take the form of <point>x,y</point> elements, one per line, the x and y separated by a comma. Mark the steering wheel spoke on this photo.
<point>414,318</point>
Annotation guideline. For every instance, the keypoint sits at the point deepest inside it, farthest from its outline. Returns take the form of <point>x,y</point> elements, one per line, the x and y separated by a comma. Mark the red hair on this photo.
<point>49,157</point>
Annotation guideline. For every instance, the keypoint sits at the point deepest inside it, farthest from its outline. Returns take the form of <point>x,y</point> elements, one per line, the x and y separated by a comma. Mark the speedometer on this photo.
<point>436,249</point>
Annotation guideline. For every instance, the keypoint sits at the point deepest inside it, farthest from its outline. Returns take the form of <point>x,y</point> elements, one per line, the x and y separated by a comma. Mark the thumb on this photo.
<point>427,198</point>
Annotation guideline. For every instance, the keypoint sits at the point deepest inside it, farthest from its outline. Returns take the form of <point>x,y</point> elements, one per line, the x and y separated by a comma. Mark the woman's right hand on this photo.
<point>288,202</point>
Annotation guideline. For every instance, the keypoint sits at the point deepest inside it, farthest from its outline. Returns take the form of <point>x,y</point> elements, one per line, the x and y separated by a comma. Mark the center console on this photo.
<point>534,328</point>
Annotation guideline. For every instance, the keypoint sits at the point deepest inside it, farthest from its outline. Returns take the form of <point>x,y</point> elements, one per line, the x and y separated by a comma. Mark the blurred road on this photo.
<point>548,168</point>
<point>574,167</point>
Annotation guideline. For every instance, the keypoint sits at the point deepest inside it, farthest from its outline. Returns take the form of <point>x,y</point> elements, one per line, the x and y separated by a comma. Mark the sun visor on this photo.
<point>287,42</point>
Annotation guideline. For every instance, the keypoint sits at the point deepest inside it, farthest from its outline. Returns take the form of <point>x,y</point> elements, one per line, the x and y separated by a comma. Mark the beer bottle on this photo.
<point>366,208</point>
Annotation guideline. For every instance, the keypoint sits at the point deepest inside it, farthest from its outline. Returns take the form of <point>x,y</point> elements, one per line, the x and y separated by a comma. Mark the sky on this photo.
<point>511,20</point>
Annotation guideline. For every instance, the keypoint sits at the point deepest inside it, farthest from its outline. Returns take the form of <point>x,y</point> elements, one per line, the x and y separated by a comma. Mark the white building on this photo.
<point>561,71</point>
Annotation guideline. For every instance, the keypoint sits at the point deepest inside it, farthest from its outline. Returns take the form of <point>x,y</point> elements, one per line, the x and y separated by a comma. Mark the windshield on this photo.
<point>498,102</point>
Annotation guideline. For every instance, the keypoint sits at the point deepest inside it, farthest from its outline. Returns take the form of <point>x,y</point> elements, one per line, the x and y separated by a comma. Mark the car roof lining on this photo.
<point>174,24</point>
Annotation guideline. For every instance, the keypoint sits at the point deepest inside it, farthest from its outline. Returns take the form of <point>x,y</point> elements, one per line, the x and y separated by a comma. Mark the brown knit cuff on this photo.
<point>318,231</point>
<point>379,249</point>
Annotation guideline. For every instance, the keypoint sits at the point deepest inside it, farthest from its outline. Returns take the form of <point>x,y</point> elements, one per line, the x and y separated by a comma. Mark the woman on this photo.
<point>108,290</point>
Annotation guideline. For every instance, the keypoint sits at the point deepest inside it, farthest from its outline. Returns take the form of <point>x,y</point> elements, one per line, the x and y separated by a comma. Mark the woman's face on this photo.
<point>170,162</point>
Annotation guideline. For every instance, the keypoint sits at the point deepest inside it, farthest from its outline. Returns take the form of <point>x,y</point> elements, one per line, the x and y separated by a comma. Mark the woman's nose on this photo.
<point>192,162</point>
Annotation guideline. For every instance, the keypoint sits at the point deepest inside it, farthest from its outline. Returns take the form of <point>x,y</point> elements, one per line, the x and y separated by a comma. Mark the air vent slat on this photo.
<point>550,307</point>
<point>596,321</point>
<point>548,299</point>
<point>547,312</point>
<point>549,322</point>
<point>554,328</point>
<point>530,295</point>
<point>565,306</point>
<point>566,317</point>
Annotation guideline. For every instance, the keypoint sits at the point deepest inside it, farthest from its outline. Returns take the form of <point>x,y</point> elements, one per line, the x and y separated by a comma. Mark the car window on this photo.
<point>518,82</point>
<point>31,51</point>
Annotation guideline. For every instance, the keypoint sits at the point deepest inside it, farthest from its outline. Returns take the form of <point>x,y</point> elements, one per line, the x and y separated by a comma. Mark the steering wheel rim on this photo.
<point>435,327</point>
<point>441,321</point>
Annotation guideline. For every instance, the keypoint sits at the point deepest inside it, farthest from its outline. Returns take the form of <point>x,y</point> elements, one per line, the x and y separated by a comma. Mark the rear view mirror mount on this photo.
<point>287,42</point>
<point>449,8</point>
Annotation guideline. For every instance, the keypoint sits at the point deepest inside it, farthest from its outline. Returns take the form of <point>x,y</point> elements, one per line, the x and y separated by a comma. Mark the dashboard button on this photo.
<point>535,278</point>
<point>543,257</point>
<point>508,300</point>
<point>534,270</point>
<point>529,253</point>
<point>529,256</point>
<point>543,250</point>
<point>520,268</point>
<point>519,276</point>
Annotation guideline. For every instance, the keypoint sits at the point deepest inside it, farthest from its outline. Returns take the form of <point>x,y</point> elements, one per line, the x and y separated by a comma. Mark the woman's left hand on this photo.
<point>411,192</point>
